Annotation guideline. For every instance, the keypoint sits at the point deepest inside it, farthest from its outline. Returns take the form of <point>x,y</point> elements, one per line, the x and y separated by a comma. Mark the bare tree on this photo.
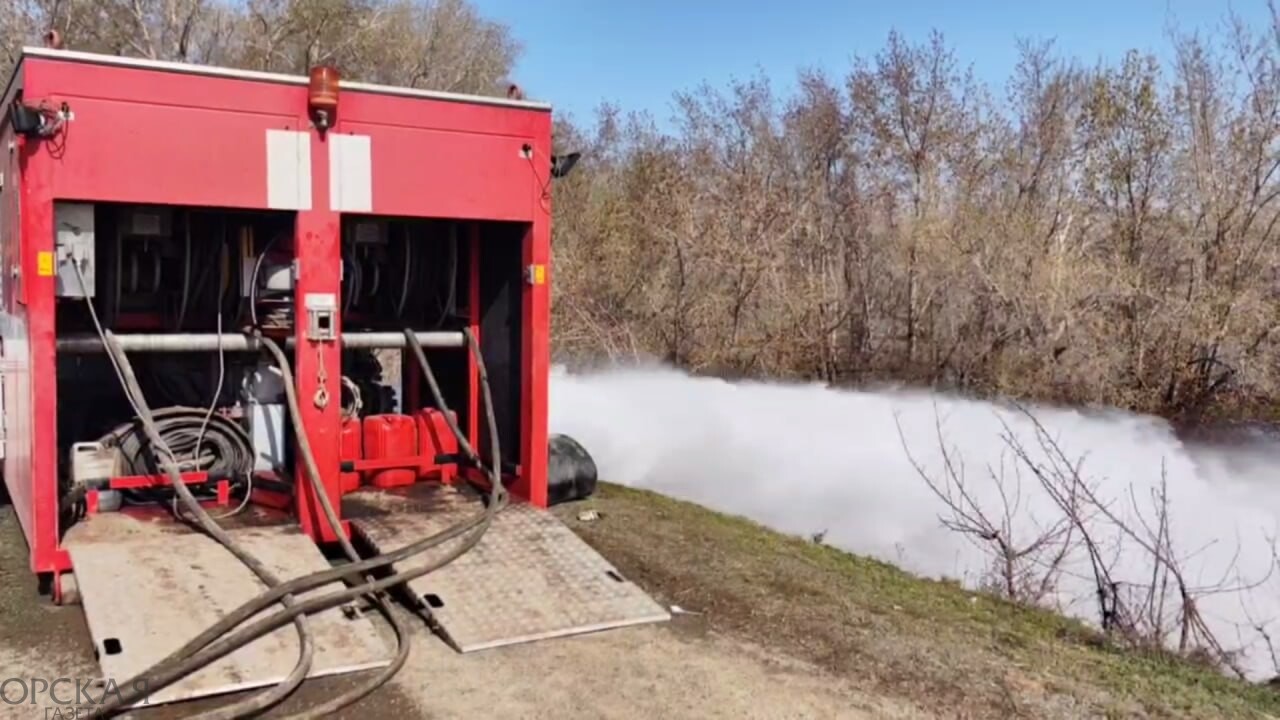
<point>1026,566</point>
<point>437,44</point>
<point>1155,610</point>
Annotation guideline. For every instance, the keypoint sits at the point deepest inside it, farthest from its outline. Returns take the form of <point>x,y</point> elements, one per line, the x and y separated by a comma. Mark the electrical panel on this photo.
<point>73,248</point>
<point>322,309</point>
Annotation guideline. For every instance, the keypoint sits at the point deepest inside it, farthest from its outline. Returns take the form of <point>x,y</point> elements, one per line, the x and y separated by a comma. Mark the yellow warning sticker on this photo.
<point>539,274</point>
<point>44,263</point>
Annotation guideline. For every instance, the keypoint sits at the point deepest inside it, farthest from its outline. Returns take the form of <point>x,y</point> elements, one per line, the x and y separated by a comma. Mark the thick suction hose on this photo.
<point>267,698</point>
<point>214,643</point>
<point>132,391</point>
<point>322,496</point>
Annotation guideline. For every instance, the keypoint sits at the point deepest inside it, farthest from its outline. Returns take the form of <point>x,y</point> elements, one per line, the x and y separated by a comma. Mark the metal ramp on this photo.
<point>148,587</point>
<point>529,578</point>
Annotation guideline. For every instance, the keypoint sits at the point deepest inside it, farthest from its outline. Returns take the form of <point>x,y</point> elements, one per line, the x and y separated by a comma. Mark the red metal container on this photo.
<point>391,437</point>
<point>352,449</point>
<point>225,138</point>
<point>435,439</point>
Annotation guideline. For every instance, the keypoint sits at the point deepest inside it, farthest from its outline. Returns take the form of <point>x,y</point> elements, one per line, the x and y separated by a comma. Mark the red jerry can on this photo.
<point>391,437</point>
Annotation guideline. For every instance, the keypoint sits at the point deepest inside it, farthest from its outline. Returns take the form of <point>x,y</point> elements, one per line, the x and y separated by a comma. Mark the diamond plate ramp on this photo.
<point>146,592</point>
<point>528,578</point>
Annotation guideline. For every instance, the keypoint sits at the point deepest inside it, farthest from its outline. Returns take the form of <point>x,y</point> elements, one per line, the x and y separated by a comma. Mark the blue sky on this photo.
<point>634,53</point>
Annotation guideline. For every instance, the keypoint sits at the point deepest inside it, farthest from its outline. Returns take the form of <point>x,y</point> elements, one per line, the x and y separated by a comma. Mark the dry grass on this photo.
<point>955,652</point>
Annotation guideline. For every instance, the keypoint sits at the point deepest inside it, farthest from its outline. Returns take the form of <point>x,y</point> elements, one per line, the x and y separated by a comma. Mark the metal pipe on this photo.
<point>389,340</point>
<point>234,342</point>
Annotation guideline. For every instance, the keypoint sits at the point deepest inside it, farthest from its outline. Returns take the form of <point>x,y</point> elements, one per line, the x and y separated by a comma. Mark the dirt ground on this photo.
<point>676,669</point>
<point>777,627</point>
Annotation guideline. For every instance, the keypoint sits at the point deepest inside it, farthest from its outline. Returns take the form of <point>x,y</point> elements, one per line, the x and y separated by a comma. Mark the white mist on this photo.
<point>804,459</point>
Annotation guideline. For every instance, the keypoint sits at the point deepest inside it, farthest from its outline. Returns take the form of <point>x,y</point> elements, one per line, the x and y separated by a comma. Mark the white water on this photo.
<point>806,458</point>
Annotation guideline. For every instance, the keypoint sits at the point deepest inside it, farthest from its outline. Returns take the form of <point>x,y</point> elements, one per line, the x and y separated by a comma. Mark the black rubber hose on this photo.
<point>402,654</point>
<point>378,600</point>
<point>266,699</point>
<point>213,643</point>
<point>134,394</point>
<point>436,395</point>
<point>226,450</point>
<point>230,643</point>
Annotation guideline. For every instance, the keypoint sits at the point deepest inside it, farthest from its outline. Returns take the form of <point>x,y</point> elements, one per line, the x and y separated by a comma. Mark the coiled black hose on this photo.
<point>226,451</point>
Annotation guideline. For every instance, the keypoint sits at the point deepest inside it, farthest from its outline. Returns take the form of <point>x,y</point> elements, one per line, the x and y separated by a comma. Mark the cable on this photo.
<point>545,196</point>
<point>253,280</point>
<point>186,270</point>
<point>313,474</point>
<point>408,271</point>
<point>214,643</point>
<point>450,305</point>
<point>244,501</point>
<point>233,450</point>
<point>230,643</point>
<point>436,395</point>
<point>377,277</point>
<point>133,393</point>
<point>168,670</point>
<point>217,391</point>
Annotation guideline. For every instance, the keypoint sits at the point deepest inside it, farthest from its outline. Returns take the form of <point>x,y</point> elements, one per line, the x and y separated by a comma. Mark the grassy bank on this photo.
<point>958,653</point>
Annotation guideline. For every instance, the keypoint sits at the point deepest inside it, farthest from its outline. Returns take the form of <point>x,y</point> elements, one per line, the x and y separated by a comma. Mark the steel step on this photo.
<point>147,587</point>
<point>529,578</point>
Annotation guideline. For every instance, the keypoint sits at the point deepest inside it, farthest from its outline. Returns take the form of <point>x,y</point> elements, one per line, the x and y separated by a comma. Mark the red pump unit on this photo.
<point>318,305</point>
<point>175,205</point>
<point>400,450</point>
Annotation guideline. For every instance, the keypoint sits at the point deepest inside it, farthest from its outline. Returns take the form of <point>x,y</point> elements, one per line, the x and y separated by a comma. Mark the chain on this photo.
<point>321,398</point>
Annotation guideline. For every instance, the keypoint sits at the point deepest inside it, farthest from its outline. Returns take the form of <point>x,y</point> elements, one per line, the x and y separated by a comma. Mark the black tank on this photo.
<point>571,473</point>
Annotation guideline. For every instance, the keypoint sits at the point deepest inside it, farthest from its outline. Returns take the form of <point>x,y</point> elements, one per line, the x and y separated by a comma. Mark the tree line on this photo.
<point>436,44</point>
<point>1102,234</point>
<point>1086,235</point>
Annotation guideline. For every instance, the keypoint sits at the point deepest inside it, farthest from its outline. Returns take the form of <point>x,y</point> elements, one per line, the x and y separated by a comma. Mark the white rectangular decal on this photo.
<point>288,170</point>
<point>350,173</point>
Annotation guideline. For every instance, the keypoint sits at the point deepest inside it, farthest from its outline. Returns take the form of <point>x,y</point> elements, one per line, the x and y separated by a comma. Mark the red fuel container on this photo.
<point>434,439</point>
<point>391,437</point>
<point>352,449</point>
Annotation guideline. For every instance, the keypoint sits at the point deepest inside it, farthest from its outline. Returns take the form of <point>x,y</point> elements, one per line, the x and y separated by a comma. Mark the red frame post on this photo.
<point>318,365</point>
<point>473,305</point>
<point>35,293</point>
<point>536,319</point>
